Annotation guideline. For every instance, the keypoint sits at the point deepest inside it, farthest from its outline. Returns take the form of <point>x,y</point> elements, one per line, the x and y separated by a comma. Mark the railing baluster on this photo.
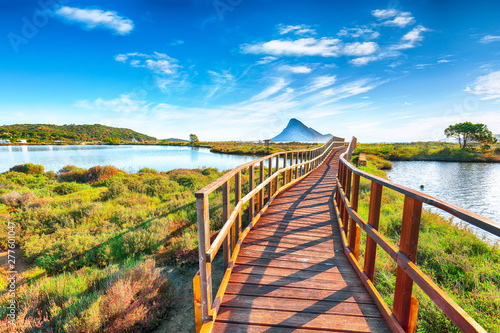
<point>373,220</point>
<point>251,207</point>
<point>348,195</point>
<point>237,198</point>
<point>261,180</point>
<point>296,162</point>
<point>277,179</point>
<point>228,245</point>
<point>203,246</point>
<point>408,244</point>
<point>270,185</point>
<point>285,160</point>
<point>354,229</point>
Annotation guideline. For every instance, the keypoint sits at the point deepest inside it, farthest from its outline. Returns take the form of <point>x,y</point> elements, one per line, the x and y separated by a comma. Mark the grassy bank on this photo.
<point>248,148</point>
<point>92,239</point>
<point>464,266</point>
<point>431,151</point>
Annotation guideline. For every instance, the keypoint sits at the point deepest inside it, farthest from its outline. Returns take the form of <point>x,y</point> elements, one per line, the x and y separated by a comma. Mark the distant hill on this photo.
<point>296,131</point>
<point>176,140</point>
<point>96,132</point>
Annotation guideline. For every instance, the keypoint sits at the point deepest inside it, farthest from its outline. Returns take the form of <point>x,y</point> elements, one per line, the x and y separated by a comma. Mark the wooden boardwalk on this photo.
<point>291,274</point>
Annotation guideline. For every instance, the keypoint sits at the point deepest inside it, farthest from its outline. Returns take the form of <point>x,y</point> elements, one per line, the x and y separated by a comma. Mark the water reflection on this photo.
<point>474,186</point>
<point>127,158</point>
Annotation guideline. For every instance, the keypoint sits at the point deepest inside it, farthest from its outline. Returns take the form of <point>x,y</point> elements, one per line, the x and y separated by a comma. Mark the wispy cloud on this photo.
<point>349,89</point>
<point>97,18</point>
<point>359,32</point>
<point>393,17</point>
<point>222,79</point>
<point>158,63</point>
<point>487,86</point>
<point>277,86</point>
<point>266,60</point>
<point>321,82</point>
<point>410,40</point>
<point>325,47</point>
<point>296,69</point>
<point>489,39</point>
<point>125,103</point>
<point>300,29</point>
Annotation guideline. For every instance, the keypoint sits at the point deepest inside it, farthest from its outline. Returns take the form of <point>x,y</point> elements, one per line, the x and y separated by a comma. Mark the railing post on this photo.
<point>373,220</point>
<point>354,230</point>
<point>277,179</point>
<point>203,246</point>
<point>410,228</point>
<point>228,244</point>
<point>251,204</point>
<point>261,180</point>
<point>237,198</point>
<point>348,195</point>
<point>197,302</point>
<point>296,162</point>
<point>285,160</point>
<point>270,185</point>
<point>290,172</point>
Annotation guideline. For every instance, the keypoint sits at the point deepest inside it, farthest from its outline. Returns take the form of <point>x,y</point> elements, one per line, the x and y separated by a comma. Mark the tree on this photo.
<point>467,131</point>
<point>193,138</point>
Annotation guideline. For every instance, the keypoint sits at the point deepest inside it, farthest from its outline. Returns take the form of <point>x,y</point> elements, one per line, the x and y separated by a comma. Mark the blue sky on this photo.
<point>240,69</point>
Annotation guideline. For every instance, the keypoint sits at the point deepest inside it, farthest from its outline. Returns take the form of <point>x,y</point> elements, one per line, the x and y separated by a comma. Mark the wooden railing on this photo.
<point>403,316</point>
<point>294,166</point>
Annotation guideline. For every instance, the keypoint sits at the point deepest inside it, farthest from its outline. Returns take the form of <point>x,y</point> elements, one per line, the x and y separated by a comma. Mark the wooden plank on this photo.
<point>408,244</point>
<point>281,251</point>
<point>285,281</point>
<point>298,293</point>
<point>302,320</point>
<point>301,305</point>
<point>305,266</point>
<point>334,273</point>
<point>373,220</point>
<point>287,257</point>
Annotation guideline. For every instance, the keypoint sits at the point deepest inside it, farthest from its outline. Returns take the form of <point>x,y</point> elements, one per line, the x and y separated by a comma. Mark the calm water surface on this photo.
<point>128,158</point>
<point>474,186</point>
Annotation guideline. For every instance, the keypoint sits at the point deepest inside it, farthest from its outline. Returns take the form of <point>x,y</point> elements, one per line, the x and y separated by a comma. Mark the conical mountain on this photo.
<point>296,131</point>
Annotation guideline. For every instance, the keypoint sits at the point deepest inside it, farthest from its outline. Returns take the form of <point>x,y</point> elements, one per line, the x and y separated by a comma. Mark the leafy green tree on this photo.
<point>467,131</point>
<point>193,138</point>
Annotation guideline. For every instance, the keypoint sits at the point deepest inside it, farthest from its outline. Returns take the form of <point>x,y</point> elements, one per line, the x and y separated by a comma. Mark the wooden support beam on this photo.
<point>277,179</point>
<point>228,245</point>
<point>408,244</point>
<point>373,220</point>
<point>285,174</point>
<point>354,230</point>
<point>269,173</point>
<point>203,246</point>
<point>261,180</point>
<point>197,302</point>
<point>251,202</point>
<point>237,198</point>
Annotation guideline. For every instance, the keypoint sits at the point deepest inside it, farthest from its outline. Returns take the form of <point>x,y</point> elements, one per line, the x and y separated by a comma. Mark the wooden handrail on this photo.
<point>403,316</point>
<point>230,236</point>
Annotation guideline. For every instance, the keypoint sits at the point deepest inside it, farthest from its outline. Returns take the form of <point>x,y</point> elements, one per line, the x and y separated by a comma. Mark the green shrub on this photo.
<point>71,173</point>
<point>99,173</point>
<point>66,188</point>
<point>29,169</point>
<point>148,170</point>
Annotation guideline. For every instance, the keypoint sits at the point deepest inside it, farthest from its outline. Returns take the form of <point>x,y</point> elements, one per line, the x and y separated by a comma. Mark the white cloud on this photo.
<point>360,49</point>
<point>325,47</point>
<point>359,32</point>
<point>361,61</point>
<point>487,85</point>
<point>222,79</point>
<point>301,29</point>
<point>277,86</point>
<point>399,19</point>
<point>266,60</point>
<point>489,39</point>
<point>384,13</point>
<point>125,104</point>
<point>349,89</point>
<point>296,69</point>
<point>443,61</point>
<point>158,63</point>
<point>411,38</point>
<point>321,82</point>
<point>93,18</point>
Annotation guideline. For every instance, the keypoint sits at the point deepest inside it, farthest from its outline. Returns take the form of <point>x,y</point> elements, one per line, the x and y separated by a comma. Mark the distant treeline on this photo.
<point>34,133</point>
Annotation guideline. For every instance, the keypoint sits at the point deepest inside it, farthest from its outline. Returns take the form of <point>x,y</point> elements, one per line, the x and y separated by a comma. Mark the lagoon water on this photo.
<point>473,186</point>
<point>129,158</point>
